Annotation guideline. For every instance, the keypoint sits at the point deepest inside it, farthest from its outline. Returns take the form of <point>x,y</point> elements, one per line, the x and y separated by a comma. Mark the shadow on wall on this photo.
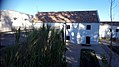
<point>75,36</point>
<point>78,33</point>
<point>14,20</point>
<point>6,22</point>
<point>105,31</point>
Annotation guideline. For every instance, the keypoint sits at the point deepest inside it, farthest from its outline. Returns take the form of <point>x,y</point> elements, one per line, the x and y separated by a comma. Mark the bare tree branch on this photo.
<point>114,6</point>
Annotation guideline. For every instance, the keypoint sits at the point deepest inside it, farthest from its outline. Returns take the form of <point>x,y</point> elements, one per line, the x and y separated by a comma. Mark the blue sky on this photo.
<point>33,6</point>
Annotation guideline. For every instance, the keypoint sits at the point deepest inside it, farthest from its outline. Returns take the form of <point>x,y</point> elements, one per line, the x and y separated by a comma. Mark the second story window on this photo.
<point>67,26</point>
<point>117,30</point>
<point>88,27</point>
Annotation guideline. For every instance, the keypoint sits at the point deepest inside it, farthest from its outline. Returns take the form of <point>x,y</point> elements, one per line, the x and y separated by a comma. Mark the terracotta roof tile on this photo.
<point>68,16</point>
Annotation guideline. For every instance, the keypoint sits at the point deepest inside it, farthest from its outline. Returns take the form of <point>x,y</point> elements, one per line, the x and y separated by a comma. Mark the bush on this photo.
<point>43,48</point>
<point>104,61</point>
<point>88,58</point>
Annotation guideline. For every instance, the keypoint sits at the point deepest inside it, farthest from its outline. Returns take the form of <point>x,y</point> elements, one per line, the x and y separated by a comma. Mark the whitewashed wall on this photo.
<point>5,24</point>
<point>78,33</point>
<point>105,32</point>
<point>52,24</point>
<point>8,22</point>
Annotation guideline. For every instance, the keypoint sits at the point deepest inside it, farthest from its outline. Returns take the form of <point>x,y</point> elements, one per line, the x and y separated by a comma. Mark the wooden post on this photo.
<point>64,27</point>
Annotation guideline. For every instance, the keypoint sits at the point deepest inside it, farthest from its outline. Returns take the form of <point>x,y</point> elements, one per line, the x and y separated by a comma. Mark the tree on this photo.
<point>111,18</point>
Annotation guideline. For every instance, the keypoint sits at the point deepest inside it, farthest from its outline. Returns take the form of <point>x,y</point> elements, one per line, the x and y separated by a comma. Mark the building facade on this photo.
<point>13,20</point>
<point>80,27</point>
<point>105,29</point>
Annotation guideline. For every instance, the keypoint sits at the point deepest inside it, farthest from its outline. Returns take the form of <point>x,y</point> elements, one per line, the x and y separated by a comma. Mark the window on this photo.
<point>67,26</point>
<point>67,37</point>
<point>117,30</point>
<point>110,30</point>
<point>25,19</point>
<point>15,18</point>
<point>88,27</point>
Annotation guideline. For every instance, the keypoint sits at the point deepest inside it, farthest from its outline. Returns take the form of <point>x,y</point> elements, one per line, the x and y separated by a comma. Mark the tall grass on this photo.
<point>43,48</point>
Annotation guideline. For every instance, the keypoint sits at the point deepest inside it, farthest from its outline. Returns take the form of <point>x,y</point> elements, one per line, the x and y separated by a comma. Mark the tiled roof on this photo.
<point>68,16</point>
<point>114,23</point>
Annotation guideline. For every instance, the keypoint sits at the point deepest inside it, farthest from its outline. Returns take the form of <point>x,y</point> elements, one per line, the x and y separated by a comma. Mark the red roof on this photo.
<point>68,16</point>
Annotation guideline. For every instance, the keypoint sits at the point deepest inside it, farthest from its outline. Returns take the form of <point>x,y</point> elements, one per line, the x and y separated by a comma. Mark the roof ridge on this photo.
<point>68,11</point>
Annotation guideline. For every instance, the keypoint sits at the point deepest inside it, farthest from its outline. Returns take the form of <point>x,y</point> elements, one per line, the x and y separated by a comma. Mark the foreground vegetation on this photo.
<point>115,49</point>
<point>43,48</point>
<point>88,58</point>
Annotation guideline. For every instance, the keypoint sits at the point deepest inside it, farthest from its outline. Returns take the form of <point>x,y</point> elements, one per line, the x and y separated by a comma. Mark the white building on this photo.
<point>82,27</point>
<point>105,28</point>
<point>13,20</point>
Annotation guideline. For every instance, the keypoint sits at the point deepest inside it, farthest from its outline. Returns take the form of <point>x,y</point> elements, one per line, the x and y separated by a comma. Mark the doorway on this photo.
<point>87,40</point>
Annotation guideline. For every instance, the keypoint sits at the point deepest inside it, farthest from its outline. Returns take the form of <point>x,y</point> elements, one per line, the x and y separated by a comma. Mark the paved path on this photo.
<point>115,57</point>
<point>105,42</point>
<point>73,54</point>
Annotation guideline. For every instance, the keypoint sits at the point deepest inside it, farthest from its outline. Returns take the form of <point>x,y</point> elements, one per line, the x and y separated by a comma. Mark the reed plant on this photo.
<point>43,47</point>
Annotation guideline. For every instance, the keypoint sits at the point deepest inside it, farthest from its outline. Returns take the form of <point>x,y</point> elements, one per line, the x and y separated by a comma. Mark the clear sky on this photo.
<point>33,6</point>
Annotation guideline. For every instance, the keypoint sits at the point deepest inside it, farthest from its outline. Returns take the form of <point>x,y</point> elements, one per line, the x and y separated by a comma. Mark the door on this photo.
<point>87,40</point>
